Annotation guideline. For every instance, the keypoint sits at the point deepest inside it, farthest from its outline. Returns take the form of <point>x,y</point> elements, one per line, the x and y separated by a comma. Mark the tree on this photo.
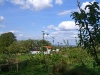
<point>44,43</point>
<point>22,46</point>
<point>43,33</point>
<point>14,48</point>
<point>89,28</point>
<point>6,39</point>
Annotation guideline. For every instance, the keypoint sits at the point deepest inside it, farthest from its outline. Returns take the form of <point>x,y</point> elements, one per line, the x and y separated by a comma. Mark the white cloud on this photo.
<point>17,2</point>
<point>59,2</point>
<point>64,26</point>
<point>15,31</point>
<point>67,25</point>
<point>2,26</point>
<point>59,36</point>
<point>40,4</point>
<point>65,34</point>
<point>52,27</point>
<point>19,35</point>
<point>65,30</point>
<point>64,12</point>
<point>1,18</point>
<point>36,5</point>
<point>1,2</point>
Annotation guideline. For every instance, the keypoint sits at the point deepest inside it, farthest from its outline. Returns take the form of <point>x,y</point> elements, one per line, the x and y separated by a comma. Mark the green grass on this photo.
<point>23,57</point>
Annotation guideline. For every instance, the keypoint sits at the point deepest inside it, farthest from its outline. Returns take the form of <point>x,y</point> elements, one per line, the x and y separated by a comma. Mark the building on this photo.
<point>35,50</point>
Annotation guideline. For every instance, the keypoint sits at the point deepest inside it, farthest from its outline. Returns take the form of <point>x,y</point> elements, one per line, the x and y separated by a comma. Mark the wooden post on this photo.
<point>17,66</point>
<point>0,67</point>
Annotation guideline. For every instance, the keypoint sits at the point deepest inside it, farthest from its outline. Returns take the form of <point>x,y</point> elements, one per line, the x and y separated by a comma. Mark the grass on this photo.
<point>23,57</point>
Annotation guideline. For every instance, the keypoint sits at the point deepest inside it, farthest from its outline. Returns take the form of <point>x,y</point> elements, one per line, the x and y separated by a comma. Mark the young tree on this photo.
<point>89,28</point>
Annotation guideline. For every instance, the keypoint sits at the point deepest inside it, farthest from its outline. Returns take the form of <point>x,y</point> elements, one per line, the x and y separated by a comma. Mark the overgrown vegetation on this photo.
<point>68,61</point>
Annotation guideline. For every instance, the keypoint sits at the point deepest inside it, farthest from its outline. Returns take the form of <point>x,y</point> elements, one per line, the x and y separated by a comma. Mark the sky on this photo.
<point>28,18</point>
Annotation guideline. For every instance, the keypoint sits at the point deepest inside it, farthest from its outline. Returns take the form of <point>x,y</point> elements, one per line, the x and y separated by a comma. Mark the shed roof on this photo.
<point>48,47</point>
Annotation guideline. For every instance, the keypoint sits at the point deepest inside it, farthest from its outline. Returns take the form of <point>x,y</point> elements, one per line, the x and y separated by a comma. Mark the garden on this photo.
<point>83,59</point>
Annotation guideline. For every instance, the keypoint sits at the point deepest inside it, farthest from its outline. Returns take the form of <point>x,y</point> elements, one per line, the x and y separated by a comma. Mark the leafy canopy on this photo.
<point>6,39</point>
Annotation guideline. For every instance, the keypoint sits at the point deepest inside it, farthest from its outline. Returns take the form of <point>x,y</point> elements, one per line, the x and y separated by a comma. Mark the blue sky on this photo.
<point>28,18</point>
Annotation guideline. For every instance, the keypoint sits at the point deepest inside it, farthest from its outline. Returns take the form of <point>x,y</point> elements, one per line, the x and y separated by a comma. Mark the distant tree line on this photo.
<point>9,43</point>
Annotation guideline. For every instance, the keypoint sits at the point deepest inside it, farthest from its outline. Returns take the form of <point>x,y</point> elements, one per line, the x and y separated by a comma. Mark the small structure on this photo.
<point>48,49</point>
<point>57,50</point>
<point>35,51</point>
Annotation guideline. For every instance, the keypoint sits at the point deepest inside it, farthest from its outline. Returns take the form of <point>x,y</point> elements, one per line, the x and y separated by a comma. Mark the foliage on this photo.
<point>43,48</point>
<point>24,46</point>
<point>5,40</point>
<point>14,48</point>
<point>89,28</point>
<point>44,43</point>
<point>61,63</point>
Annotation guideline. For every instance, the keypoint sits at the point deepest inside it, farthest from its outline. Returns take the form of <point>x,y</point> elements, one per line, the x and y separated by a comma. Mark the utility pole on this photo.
<point>43,33</point>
